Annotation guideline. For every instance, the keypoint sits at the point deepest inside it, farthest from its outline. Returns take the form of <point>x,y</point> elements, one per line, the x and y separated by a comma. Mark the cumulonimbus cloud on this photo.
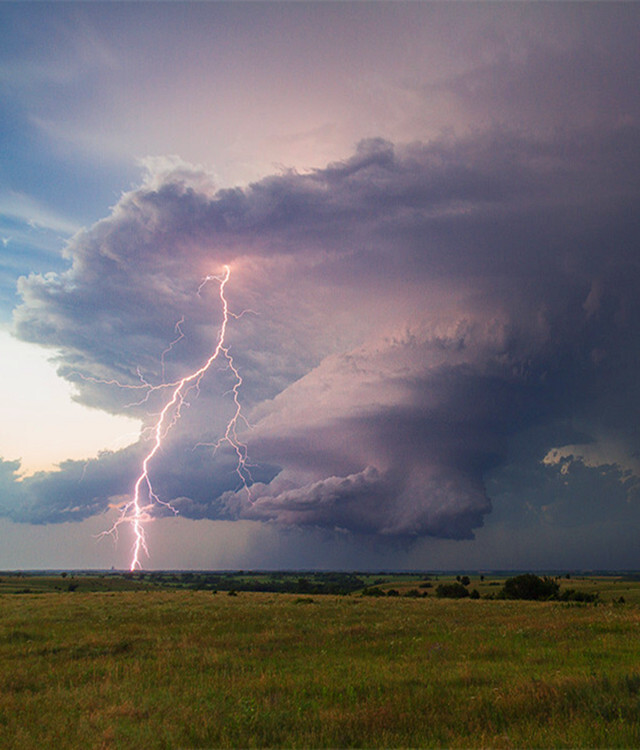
<point>413,310</point>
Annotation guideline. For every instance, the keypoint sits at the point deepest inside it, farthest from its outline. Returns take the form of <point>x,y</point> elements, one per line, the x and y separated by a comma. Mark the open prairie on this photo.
<point>186,668</point>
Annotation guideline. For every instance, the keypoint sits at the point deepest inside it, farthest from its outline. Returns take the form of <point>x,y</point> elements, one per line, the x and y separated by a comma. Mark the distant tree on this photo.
<point>530,586</point>
<point>465,580</point>
<point>475,594</point>
<point>452,591</point>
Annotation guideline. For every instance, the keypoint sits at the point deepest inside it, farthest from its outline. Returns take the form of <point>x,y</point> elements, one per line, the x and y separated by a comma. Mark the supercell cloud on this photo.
<point>425,321</point>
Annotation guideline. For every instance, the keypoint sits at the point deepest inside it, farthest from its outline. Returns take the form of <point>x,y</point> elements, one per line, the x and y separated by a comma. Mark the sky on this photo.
<point>429,216</point>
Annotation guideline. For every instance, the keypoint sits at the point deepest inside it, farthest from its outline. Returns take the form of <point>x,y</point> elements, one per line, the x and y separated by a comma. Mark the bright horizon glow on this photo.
<point>41,424</point>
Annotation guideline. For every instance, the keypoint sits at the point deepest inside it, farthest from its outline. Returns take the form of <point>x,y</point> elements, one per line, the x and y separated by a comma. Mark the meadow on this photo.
<point>180,668</point>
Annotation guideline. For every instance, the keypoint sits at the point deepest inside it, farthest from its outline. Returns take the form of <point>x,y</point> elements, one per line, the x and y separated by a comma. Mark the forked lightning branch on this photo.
<point>139,510</point>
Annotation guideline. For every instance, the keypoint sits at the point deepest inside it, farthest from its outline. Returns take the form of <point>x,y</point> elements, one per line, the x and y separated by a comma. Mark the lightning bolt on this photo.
<point>138,511</point>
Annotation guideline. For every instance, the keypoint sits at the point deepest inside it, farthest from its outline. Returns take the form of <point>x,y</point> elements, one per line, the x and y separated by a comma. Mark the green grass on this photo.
<point>167,669</point>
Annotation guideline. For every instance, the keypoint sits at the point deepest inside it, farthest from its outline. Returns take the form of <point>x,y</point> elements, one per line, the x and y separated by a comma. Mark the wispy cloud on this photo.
<point>23,208</point>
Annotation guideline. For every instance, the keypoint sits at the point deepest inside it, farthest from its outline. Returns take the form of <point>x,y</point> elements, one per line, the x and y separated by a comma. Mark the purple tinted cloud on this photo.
<point>417,309</point>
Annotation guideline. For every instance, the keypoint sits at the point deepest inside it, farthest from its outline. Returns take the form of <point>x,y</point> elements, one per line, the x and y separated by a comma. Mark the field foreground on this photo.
<point>170,669</point>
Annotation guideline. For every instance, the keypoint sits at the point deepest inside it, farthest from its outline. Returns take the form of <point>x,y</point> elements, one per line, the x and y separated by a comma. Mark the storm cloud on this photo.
<point>413,313</point>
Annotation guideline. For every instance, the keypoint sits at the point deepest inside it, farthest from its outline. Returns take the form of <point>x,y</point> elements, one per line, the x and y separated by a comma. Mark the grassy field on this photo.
<point>181,668</point>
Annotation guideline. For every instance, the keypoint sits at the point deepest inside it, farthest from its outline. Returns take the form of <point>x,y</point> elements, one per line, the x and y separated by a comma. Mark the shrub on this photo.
<point>372,591</point>
<point>413,593</point>
<point>451,591</point>
<point>571,595</point>
<point>530,586</point>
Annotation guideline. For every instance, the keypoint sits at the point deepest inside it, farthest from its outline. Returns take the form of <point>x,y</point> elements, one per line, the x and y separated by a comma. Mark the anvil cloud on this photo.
<point>412,309</point>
